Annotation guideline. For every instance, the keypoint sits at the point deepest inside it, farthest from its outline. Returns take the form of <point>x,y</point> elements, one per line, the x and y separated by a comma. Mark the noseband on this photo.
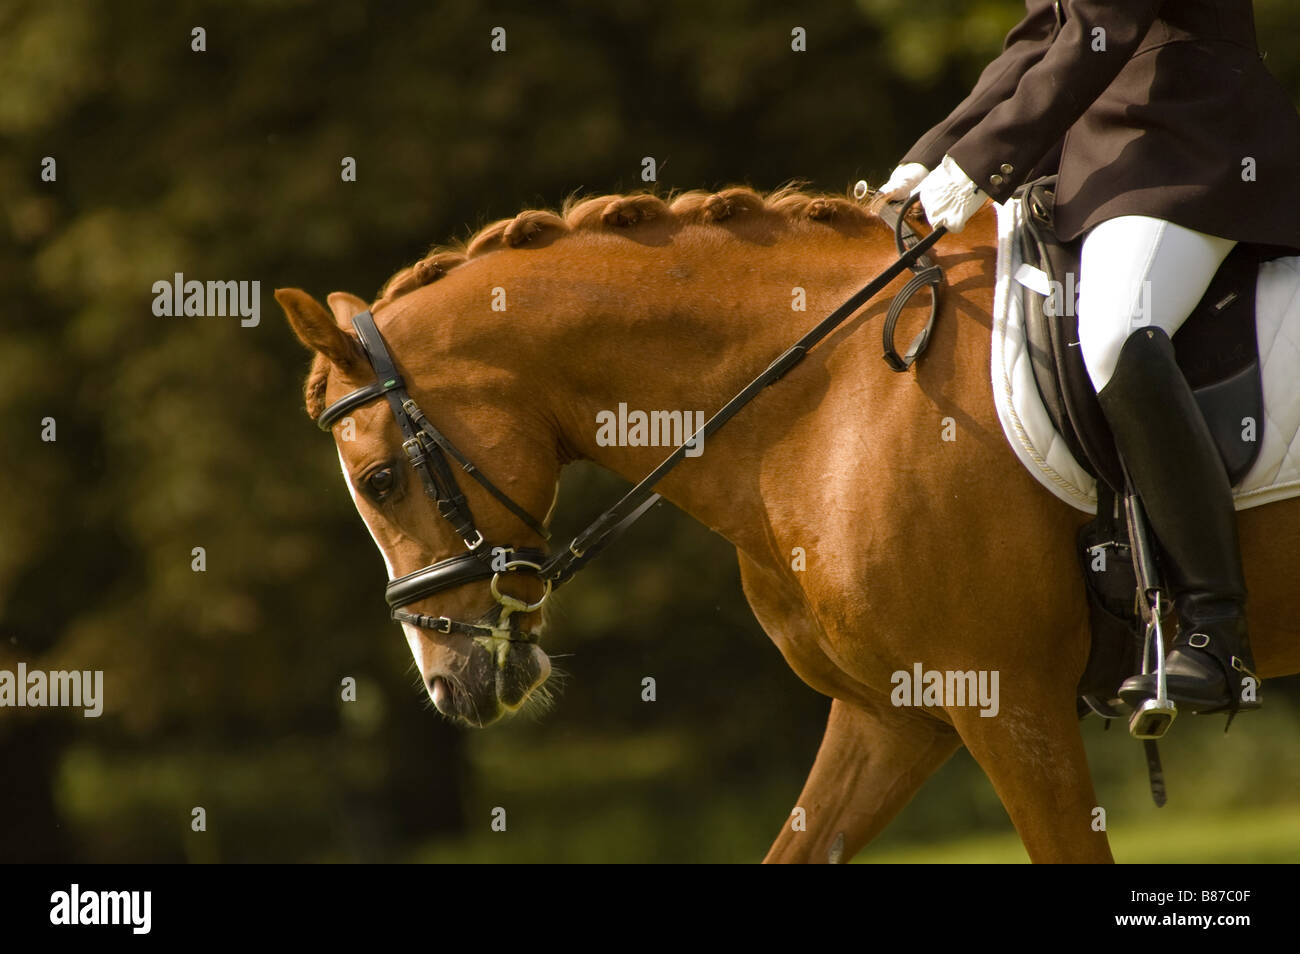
<point>427,449</point>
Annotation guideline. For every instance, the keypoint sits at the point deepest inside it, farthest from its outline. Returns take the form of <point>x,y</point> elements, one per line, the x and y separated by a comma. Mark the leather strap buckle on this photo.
<point>414,451</point>
<point>1204,641</point>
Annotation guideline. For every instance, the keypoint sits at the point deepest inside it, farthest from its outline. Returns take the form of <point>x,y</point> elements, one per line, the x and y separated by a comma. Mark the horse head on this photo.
<point>459,551</point>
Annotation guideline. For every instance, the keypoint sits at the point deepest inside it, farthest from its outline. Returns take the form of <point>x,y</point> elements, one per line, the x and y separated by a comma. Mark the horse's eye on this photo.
<point>380,483</point>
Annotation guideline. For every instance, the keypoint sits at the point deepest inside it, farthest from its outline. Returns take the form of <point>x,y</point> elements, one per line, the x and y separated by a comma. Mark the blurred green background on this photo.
<point>223,686</point>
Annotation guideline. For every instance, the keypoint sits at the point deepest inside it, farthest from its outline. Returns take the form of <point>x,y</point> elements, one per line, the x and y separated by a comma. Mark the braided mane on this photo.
<point>609,213</point>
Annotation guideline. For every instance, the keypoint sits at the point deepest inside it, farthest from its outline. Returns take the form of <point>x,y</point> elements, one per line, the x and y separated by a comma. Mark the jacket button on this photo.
<point>995,180</point>
<point>1007,168</point>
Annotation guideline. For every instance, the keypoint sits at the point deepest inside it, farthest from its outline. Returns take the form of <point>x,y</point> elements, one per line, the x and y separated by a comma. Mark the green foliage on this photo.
<point>223,686</point>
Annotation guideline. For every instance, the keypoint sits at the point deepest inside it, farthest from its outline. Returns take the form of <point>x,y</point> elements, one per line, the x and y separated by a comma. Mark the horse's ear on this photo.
<point>345,306</point>
<point>317,329</point>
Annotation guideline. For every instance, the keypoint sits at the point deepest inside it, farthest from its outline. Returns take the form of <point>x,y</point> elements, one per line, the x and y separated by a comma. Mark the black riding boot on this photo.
<point>1177,471</point>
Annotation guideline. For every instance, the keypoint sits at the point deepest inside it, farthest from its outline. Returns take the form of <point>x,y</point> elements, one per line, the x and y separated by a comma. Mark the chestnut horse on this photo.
<point>880,519</point>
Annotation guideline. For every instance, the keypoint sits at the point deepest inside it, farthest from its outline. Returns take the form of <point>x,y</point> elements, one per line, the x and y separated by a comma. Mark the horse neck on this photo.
<point>682,327</point>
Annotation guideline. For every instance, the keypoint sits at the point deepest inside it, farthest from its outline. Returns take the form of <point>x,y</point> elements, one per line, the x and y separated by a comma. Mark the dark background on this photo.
<point>223,687</point>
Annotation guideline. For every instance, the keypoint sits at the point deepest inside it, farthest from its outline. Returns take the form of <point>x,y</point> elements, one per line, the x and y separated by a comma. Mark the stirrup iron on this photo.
<point>1152,719</point>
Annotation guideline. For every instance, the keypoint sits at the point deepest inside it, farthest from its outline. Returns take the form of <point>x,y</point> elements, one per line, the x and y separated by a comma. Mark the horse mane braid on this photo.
<point>622,212</point>
<point>610,213</point>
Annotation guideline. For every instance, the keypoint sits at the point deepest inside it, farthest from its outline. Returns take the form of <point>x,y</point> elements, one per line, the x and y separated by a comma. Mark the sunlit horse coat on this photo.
<point>1157,107</point>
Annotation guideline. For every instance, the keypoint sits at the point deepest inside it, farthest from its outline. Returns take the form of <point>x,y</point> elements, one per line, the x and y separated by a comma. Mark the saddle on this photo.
<point>1218,352</point>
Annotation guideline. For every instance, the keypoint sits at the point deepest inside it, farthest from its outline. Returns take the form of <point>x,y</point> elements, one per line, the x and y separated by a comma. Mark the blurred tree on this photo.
<point>223,685</point>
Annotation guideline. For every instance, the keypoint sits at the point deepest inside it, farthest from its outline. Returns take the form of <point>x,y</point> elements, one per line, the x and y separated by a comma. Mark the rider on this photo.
<point>1173,144</point>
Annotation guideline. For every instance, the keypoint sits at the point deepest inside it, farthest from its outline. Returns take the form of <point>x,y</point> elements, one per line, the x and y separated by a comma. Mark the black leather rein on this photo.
<point>428,451</point>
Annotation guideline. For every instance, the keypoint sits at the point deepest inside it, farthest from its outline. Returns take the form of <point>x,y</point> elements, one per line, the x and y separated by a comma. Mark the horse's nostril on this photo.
<point>441,694</point>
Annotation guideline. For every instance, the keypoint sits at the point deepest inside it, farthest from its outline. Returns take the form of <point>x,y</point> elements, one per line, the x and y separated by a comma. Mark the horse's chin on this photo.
<point>497,680</point>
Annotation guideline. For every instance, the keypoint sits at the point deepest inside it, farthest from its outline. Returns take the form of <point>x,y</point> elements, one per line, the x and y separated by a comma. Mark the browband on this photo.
<point>386,376</point>
<point>357,398</point>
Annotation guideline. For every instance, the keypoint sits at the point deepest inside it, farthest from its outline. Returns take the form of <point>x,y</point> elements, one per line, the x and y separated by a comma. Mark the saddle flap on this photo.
<point>1052,326</point>
<point>1218,351</point>
<point>1216,347</point>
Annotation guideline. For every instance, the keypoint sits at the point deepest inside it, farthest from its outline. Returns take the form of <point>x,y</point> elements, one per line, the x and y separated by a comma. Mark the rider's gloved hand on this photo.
<point>904,181</point>
<point>949,196</point>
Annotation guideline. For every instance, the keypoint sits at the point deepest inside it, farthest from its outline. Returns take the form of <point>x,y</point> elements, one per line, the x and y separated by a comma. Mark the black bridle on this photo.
<point>427,449</point>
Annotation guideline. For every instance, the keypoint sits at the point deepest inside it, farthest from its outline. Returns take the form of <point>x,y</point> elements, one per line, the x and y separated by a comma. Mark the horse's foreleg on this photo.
<point>870,763</point>
<point>1032,752</point>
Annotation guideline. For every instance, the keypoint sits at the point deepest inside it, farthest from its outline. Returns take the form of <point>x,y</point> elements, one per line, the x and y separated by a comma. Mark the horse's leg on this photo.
<point>871,761</point>
<point>873,756</point>
<point>1032,751</point>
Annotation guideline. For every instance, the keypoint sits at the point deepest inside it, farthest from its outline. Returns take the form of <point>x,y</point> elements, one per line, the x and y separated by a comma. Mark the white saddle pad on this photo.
<point>1029,429</point>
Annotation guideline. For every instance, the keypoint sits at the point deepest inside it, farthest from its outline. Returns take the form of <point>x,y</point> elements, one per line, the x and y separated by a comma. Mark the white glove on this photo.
<point>904,181</point>
<point>950,197</point>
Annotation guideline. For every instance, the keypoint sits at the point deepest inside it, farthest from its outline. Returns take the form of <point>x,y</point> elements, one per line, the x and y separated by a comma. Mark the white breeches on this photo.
<point>1136,271</point>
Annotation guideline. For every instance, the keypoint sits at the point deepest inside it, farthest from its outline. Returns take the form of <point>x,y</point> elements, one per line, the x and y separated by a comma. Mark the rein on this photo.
<point>613,522</point>
<point>427,449</point>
